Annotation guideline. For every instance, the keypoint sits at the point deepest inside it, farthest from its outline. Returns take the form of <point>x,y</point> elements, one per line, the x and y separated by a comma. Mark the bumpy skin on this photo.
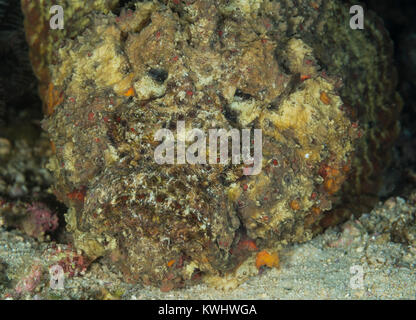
<point>323,95</point>
<point>44,42</point>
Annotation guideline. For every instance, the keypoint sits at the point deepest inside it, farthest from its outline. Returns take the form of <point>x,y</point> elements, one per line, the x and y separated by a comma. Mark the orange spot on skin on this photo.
<point>294,204</point>
<point>334,172</point>
<point>329,186</point>
<point>316,211</point>
<point>171,262</point>
<point>53,147</point>
<point>129,93</point>
<point>324,98</point>
<point>54,98</point>
<point>304,77</point>
<point>264,258</point>
<point>333,178</point>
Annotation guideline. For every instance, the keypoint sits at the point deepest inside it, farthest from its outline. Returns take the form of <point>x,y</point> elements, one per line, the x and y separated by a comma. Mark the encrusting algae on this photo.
<point>322,94</point>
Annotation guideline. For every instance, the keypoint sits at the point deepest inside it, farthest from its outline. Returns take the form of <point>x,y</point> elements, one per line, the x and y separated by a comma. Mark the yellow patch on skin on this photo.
<point>294,204</point>
<point>316,211</point>
<point>234,192</point>
<point>54,98</point>
<point>324,98</point>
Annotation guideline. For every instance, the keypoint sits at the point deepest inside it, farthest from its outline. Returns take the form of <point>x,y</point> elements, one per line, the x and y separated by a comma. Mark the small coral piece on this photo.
<point>74,263</point>
<point>35,219</point>
<point>40,220</point>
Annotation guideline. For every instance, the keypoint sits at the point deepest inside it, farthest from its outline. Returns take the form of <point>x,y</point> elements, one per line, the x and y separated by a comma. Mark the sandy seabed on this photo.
<point>327,267</point>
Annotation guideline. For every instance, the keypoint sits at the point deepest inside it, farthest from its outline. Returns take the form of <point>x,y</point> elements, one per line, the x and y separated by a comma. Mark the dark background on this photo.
<point>400,20</point>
